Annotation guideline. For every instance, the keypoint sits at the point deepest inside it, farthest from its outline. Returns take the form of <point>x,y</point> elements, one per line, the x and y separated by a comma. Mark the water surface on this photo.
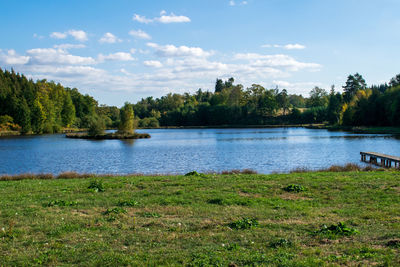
<point>177,151</point>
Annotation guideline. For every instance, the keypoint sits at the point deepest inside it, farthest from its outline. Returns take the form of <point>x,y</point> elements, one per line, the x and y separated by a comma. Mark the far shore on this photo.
<point>352,129</point>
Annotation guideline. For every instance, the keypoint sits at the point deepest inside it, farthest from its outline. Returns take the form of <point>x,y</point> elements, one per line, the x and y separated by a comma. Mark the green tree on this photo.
<point>68,111</point>
<point>318,97</point>
<point>38,117</point>
<point>127,119</point>
<point>334,107</point>
<point>353,84</point>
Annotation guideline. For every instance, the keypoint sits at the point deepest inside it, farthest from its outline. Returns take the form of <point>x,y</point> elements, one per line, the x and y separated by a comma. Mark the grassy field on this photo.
<point>207,220</point>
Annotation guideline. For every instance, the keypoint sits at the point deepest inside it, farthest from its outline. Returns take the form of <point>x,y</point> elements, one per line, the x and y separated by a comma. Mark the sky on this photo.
<point>125,50</point>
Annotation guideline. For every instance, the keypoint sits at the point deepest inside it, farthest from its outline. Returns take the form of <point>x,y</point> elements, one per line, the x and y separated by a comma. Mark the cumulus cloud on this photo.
<point>139,34</point>
<point>11,58</point>
<point>109,38</point>
<point>163,18</point>
<point>78,35</point>
<point>153,63</point>
<point>280,60</point>
<point>58,35</point>
<point>287,46</point>
<point>119,56</point>
<point>178,51</point>
<point>50,56</point>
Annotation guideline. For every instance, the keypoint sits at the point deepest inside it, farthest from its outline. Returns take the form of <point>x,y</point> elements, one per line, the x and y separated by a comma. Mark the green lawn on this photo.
<point>212,220</point>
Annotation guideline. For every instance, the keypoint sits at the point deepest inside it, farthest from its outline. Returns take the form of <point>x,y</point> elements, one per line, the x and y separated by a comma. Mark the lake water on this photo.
<point>177,151</point>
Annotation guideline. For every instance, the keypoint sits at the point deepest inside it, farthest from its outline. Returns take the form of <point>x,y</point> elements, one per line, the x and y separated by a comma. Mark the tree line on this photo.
<point>46,107</point>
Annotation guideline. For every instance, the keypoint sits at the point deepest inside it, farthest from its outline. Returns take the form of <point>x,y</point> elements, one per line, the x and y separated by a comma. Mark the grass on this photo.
<point>343,218</point>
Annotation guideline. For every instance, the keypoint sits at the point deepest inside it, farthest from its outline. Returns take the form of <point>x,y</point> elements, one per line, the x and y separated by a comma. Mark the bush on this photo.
<point>339,229</point>
<point>244,223</point>
<point>96,186</point>
<point>193,173</point>
<point>114,211</point>
<point>281,243</point>
<point>294,188</point>
<point>61,203</point>
<point>96,126</point>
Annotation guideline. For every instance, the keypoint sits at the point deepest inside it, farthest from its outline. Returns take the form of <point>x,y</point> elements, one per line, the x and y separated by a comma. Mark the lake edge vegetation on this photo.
<point>203,220</point>
<point>30,107</point>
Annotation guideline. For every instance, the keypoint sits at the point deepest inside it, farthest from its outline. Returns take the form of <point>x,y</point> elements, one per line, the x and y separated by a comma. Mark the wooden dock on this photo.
<point>385,160</point>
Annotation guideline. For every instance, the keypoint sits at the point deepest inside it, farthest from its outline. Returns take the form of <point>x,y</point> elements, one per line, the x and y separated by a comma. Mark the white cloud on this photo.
<point>69,46</point>
<point>164,18</point>
<point>178,51</point>
<point>12,58</point>
<point>141,19</point>
<point>172,18</point>
<point>78,35</point>
<point>287,46</point>
<point>119,56</point>
<point>139,34</point>
<point>109,38</point>
<point>153,63</point>
<point>294,46</point>
<point>50,56</point>
<point>58,35</point>
<point>283,61</point>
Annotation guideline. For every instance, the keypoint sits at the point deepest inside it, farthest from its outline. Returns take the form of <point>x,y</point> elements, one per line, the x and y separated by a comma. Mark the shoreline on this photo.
<point>352,129</point>
<point>350,167</point>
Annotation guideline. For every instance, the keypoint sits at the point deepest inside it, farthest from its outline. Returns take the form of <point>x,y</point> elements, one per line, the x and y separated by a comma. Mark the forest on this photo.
<point>43,106</point>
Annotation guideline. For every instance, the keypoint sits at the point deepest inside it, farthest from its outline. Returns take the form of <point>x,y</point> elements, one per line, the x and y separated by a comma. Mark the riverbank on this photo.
<point>357,129</point>
<point>108,136</point>
<point>213,219</point>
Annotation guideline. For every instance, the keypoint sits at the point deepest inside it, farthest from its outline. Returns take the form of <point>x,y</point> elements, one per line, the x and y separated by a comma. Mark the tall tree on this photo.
<point>353,84</point>
<point>127,119</point>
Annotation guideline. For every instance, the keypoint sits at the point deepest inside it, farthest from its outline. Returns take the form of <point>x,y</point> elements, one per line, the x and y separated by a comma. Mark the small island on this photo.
<point>125,130</point>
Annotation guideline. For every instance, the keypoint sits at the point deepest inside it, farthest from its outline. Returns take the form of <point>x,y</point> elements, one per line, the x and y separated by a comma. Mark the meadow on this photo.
<point>233,219</point>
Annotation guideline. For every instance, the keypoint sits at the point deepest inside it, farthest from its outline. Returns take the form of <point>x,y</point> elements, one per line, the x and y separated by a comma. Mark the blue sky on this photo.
<point>124,50</point>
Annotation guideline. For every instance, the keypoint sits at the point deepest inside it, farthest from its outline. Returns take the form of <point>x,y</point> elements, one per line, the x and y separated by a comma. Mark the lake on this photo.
<point>177,151</point>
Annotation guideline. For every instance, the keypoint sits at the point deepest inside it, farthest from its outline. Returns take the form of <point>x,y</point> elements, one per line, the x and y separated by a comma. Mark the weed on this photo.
<point>339,229</point>
<point>128,203</point>
<point>9,233</point>
<point>244,223</point>
<point>194,173</point>
<point>61,203</point>
<point>117,210</point>
<point>294,188</point>
<point>283,242</point>
<point>150,214</point>
<point>395,243</point>
<point>96,186</point>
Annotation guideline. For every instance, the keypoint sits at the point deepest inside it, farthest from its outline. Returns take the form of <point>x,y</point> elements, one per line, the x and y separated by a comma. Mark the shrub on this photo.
<point>96,186</point>
<point>294,188</point>
<point>339,229</point>
<point>193,173</point>
<point>61,203</point>
<point>281,243</point>
<point>244,223</point>
<point>114,211</point>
